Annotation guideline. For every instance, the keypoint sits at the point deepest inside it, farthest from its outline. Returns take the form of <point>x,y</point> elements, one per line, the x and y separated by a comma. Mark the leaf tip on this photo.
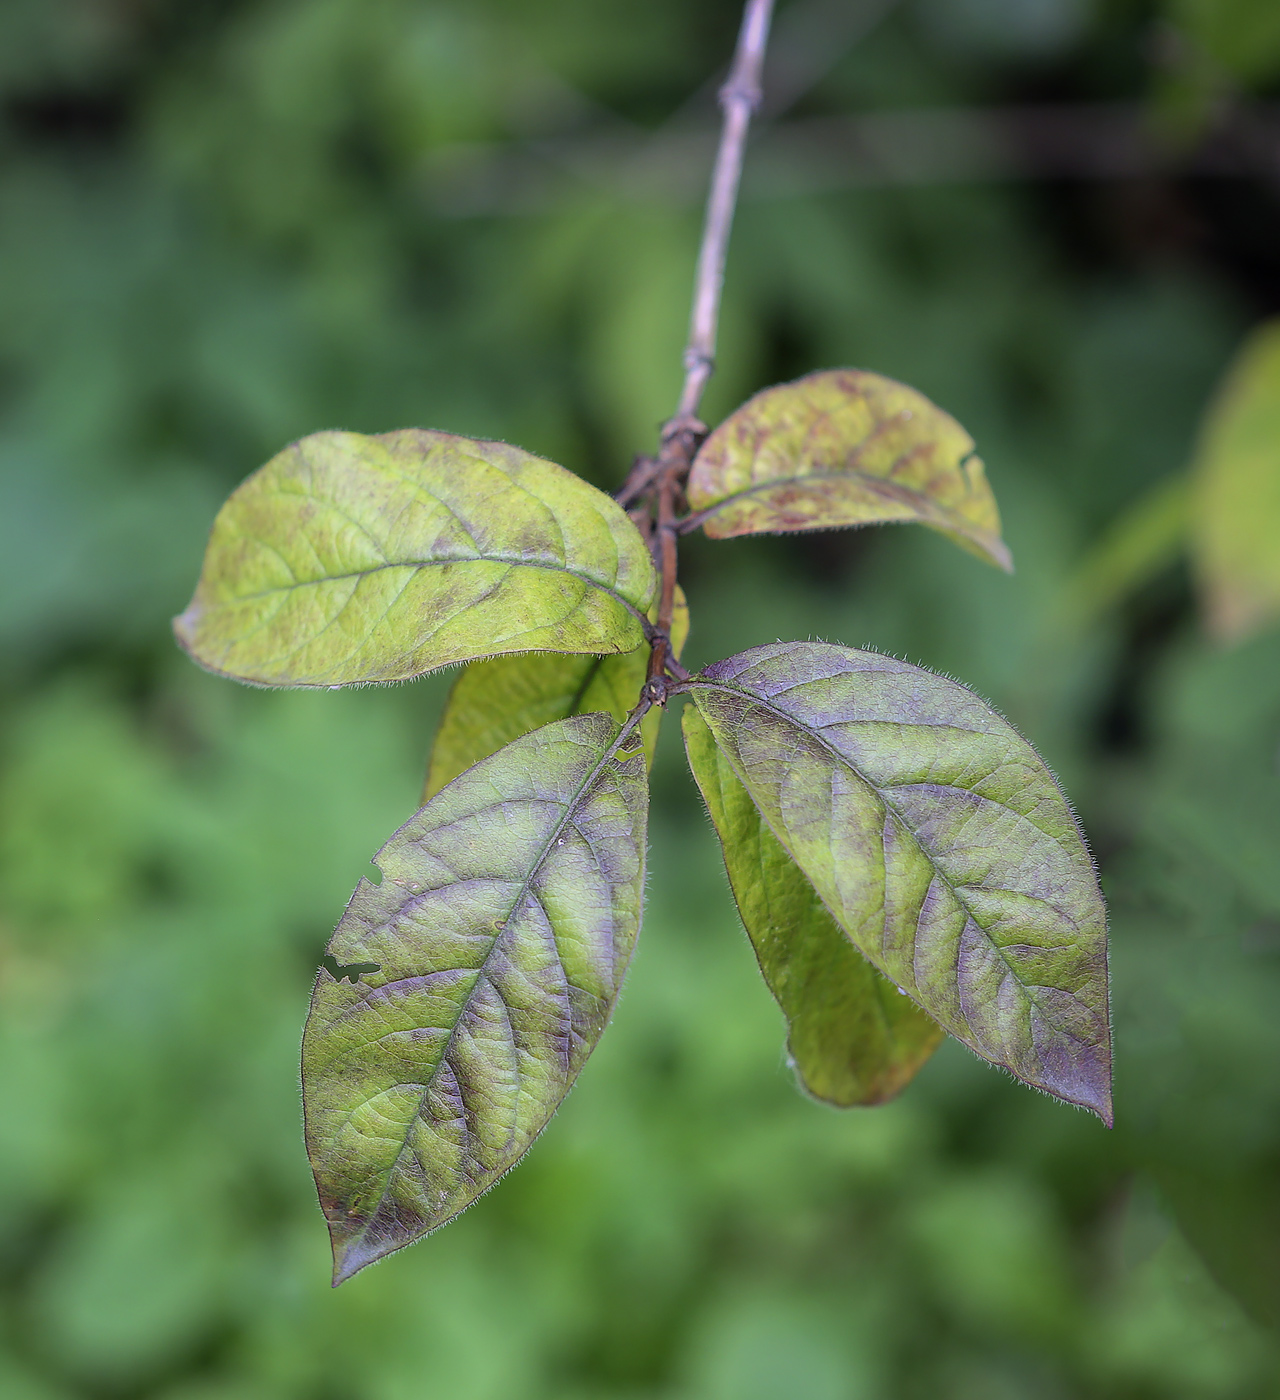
<point>345,1267</point>
<point>987,545</point>
<point>1088,1086</point>
<point>355,1247</point>
<point>184,626</point>
<point>1099,1103</point>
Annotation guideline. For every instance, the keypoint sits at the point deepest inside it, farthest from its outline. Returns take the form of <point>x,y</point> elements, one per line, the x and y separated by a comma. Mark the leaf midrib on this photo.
<point>857,478</point>
<point>481,971</point>
<point>510,560</point>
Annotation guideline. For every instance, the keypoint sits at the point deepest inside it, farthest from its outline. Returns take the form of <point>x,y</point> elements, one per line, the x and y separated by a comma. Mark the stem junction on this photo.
<point>656,484</point>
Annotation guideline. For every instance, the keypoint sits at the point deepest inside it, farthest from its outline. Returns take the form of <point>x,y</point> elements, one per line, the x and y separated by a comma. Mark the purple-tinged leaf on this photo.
<point>853,1036</point>
<point>844,447</point>
<point>501,931</point>
<point>938,839</point>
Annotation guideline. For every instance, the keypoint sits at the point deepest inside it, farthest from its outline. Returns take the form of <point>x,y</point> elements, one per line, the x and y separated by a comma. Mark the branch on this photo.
<point>664,475</point>
<point>739,97</point>
<point>806,41</point>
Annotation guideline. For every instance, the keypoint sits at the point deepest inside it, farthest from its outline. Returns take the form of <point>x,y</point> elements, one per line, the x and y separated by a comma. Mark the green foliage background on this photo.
<point>228,223</point>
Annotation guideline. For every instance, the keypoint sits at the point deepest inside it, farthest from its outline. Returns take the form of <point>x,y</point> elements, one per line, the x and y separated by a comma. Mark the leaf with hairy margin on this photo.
<point>854,1038</point>
<point>493,702</point>
<point>501,931</point>
<point>349,559</point>
<point>844,447</point>
<point>939,841</point>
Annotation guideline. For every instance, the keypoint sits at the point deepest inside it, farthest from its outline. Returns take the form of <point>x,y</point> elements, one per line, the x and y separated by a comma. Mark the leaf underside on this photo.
<point>939,841</point>
<point>844,447</point>
<point>853,1037</point>
<point>349,559</point>
<point>502,928</point>
<point>493,702</point>
<point>1235,511</point>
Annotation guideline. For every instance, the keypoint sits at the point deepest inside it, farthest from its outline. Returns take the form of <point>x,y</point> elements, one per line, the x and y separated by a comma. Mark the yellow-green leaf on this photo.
<point>349,559</point>
<point>844,447</point>
<point>854,1038</point>
<point>493,702</point>
<point>1236,493</point>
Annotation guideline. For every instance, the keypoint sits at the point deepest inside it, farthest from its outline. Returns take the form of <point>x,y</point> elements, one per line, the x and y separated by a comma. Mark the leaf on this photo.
<point>494,702</point>
<point>502,928</point>
<point>939,841</point>
<point>349,559</point>
<point>1236,493</point>
<point>844,447</point>
<point>854,1038</point>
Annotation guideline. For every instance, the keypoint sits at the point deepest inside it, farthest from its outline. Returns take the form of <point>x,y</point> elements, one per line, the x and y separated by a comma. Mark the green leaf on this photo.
<point>501,931</point>
<point>1236,493</point>
<point>349,559</point>
<point>940,842</point>
<point>844,447</point>
<point>854,1038</point>
<point>494,702</point>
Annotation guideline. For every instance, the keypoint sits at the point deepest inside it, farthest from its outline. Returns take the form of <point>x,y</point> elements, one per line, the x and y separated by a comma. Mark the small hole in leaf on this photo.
<point>373,874</point>
<point>352,972</point>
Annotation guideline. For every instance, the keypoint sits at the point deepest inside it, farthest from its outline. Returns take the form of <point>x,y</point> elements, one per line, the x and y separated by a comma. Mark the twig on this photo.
<point>660,655</point>
<point>663,476</point>
<point>640,481</point>
<point>739,97</point>
<point>805,42</point>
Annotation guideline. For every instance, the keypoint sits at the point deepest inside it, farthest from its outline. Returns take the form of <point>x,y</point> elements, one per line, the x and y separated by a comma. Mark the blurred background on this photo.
<point>227,223</point>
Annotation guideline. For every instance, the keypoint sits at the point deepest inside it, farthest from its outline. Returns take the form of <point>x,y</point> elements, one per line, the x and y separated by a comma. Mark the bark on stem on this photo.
<point>682,435</point>
<point>739,98</point>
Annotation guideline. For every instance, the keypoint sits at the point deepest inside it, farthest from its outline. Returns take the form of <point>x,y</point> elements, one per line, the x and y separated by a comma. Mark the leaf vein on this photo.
<point>483,970</point>
<point>929,855</point>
